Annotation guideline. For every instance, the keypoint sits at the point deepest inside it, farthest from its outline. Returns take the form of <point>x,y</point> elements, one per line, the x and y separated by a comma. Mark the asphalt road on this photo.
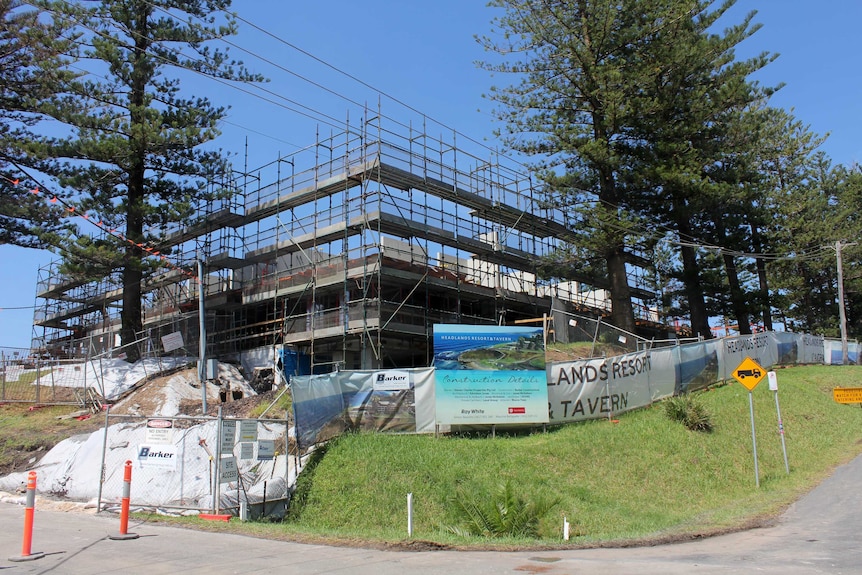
<point>821,533</point>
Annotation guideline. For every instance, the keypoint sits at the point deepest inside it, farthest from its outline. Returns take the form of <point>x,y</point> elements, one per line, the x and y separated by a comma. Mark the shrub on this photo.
<point>504,513</point>
<point>688,411</point>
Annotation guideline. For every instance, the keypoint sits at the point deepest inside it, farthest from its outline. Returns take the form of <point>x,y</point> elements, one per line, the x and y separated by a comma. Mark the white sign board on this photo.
<point>773,380</point>
<point>392,380</point>
<point>248,430</point>
<point>228,435</point>
<point>246,450</point>
<point>172,341</point>
<point>266,449</point>
<point>160,431</point>
<point>228,471</point>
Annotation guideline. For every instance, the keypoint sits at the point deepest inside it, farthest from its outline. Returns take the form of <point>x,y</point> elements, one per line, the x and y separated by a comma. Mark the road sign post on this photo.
<point>750,373</point>
<point>753,439</point>
<point>773,385</point>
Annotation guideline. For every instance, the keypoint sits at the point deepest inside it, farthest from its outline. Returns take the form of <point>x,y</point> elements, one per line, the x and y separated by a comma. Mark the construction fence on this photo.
<point>46,381</point>
<point>327,405</point>
<point>41,379</point>
<point>207,464</point>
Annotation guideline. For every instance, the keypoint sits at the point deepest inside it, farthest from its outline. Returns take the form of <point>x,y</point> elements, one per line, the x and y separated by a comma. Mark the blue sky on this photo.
<point>422,54</point>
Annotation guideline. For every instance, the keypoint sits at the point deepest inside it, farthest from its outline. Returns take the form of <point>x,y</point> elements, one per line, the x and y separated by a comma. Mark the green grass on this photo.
<point>27,432</point>
<point>645,478</point>
<point>279,408</point>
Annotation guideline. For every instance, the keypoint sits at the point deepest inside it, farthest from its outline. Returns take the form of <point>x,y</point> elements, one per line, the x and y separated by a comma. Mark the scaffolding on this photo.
<point>356,247</point>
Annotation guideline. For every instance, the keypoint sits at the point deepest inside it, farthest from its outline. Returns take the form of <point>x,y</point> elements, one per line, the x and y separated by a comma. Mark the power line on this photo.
<point>643,229</point>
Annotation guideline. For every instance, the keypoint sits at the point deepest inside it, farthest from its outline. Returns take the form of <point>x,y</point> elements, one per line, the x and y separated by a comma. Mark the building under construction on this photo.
<point>346,252</point>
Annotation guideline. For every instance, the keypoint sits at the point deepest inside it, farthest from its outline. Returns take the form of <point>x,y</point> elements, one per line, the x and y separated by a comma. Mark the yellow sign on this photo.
<point>749,373</point>
<point>847,394</point>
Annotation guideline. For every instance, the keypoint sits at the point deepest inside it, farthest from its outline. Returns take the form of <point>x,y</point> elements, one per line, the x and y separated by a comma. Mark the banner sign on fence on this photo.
<point>588,389</point>
<point>326,405</point>
<point>760,347</point>
<point>163,456</point>
<point>490,374</point>
<point>811,348</point>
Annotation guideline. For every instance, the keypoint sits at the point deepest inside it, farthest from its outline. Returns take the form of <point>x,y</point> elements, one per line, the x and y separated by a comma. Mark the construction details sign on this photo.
<point>490,374</point>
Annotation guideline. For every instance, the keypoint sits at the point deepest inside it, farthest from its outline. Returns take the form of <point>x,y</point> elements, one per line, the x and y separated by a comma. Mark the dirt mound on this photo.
<point>27,432</point>
<point>249,406</point>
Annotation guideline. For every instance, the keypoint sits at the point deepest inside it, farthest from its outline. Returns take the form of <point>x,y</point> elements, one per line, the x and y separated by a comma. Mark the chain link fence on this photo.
<point>30,378</point>
<point>48,381</point>
<point>240,467</point>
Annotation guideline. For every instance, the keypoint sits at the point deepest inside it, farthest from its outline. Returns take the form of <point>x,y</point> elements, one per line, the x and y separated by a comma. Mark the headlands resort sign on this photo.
<point>490,374</point>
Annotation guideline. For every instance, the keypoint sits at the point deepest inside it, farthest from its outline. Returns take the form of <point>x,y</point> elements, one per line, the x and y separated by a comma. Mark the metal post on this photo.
<point>773,385</point>
<point>781,432</point>
<point>545,332</point>
<point>38,380</point>
<point>202,346</point>
<point>104,455</point>
<point>753,439</point>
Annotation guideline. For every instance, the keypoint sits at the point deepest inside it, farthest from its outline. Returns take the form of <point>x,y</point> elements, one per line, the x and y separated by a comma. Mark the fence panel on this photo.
<point>211,464</point>
<point>47,381</point>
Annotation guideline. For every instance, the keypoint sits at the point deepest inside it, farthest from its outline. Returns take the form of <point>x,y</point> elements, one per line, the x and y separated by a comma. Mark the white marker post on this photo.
<point>410,515</point>
<point>773,385</point>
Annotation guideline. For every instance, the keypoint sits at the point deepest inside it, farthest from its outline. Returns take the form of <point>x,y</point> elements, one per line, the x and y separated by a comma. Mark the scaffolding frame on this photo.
<point>350,253</point>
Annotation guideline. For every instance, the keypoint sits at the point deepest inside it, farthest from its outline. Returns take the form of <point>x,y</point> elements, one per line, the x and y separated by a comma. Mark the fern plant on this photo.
<point>689,411</point>
<point>503,513</point>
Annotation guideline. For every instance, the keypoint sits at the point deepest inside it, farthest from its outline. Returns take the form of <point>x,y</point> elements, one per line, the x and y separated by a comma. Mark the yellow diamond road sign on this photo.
<point>749,373</point>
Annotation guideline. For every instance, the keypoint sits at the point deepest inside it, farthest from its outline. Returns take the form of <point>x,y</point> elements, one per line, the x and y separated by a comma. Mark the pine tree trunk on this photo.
<point>765,305</point>
<point>132,323</point>
<point>694,293</point>
<point>622,312</point>
<point>691,280</point>
<point>737,296</point>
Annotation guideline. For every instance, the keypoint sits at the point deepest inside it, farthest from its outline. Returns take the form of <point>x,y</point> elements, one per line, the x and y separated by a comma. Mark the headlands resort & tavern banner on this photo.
<point>490,374</point>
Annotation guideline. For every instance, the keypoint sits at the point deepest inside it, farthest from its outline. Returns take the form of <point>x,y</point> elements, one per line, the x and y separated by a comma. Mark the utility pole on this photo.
<point>842,316</point>
<point>202,362</point>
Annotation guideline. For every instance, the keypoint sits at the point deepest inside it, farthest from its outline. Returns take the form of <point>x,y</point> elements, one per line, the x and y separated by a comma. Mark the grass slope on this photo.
<point>643,479</point>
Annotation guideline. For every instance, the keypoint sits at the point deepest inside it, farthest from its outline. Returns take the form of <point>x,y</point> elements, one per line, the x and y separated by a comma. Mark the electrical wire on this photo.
<point>647,231</point>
